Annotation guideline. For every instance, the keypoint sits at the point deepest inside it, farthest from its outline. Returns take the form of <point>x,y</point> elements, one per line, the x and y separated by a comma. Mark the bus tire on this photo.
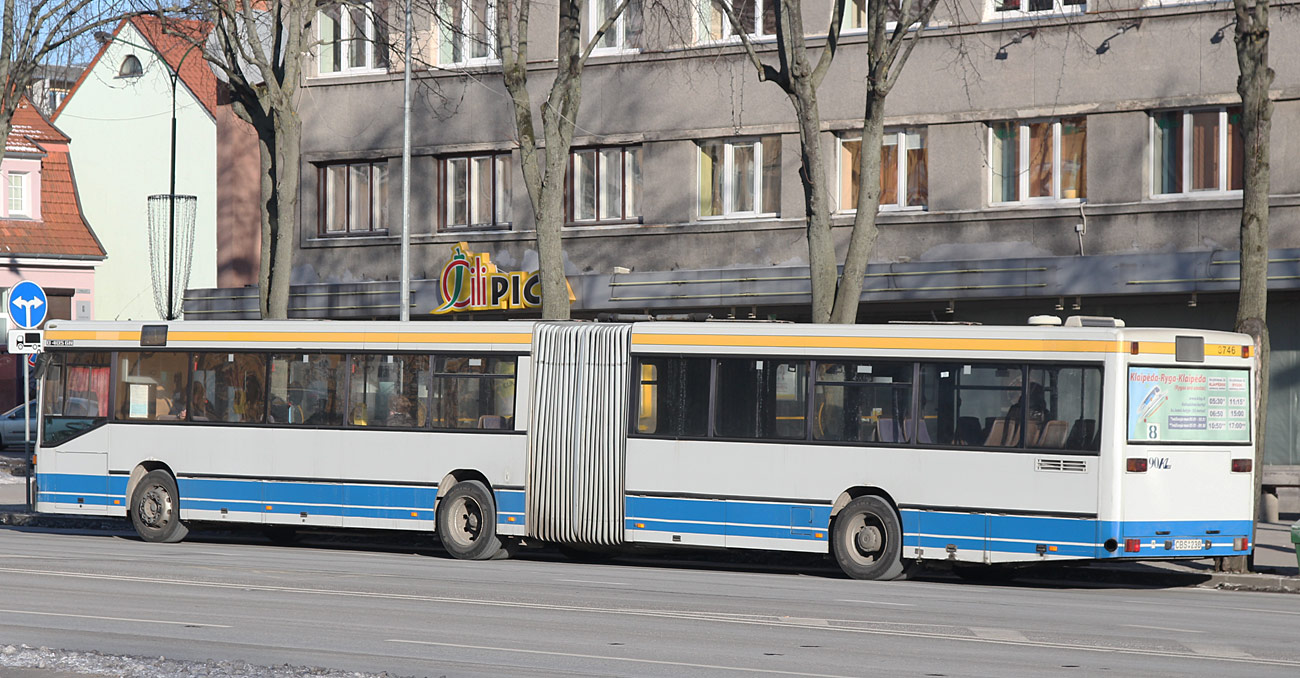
<point>156,509</point>
<point>467,522</point>
<point>867,539</point>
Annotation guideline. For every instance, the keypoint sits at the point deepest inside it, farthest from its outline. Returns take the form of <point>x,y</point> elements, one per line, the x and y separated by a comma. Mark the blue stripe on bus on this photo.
<point>1072,537</point>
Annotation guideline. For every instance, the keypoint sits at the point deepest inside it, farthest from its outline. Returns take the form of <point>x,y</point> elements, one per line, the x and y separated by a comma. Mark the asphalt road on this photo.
<point>414,612</point>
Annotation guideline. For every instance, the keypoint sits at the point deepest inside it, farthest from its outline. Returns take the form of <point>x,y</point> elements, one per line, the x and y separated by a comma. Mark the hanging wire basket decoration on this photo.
<point>171,263</point>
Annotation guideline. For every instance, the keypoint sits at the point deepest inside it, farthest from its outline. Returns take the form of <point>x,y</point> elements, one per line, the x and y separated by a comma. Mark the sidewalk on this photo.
<point>1274,568</point>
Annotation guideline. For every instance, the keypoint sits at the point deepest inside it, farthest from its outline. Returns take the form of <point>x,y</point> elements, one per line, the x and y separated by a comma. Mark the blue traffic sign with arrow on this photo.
<point>28,305</point>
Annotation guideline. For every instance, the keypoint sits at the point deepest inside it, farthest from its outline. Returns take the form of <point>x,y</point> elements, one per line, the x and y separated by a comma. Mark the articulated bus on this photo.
<point>878,445</point>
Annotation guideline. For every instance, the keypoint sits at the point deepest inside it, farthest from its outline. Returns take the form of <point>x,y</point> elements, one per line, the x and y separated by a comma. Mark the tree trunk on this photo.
<point>1252,306</point>
<point>863,239</point>
<point>288,139</point>
<point>822,261</point>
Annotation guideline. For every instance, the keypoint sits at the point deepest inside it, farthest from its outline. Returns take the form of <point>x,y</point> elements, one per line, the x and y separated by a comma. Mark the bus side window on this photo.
<point>864,402</point>
<point>764,399</point>
<point>674,397</point>
<point>471,391</point>
<point>151,385</point>
<point>307,389</point>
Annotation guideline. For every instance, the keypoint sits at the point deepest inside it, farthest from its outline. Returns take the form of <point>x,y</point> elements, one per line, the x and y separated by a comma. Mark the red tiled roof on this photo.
<point>29,128</point>
<point>173,38</point>
<point>61,229</point>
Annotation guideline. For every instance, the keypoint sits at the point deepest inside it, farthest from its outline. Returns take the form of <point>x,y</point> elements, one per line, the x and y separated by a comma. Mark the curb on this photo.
<point>1081,575</point>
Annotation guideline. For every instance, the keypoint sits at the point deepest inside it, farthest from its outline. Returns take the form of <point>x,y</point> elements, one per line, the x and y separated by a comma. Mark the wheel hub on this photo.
<point>154,507</point>
<point>868,539</point>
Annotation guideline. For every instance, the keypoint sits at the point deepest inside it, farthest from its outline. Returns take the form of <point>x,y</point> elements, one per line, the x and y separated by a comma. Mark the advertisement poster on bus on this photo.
<point>1188,405</point>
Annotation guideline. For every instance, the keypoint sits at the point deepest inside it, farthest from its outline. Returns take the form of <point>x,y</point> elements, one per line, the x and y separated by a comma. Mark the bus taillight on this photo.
<point>1241,544</point>
<point>1242,465</point>
<point>1132,545</point>
<point>1137,465</point>
<point>1245,351</point>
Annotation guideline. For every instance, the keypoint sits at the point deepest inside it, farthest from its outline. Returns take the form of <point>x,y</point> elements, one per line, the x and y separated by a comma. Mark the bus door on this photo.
<point>577,433</point>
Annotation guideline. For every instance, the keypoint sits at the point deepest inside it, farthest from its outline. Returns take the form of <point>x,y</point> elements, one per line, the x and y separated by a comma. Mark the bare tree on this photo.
<point>260,51</point>
<point>1256,121</point>
<point>545,168</point>
<point>31,32</point>
<point>835,296</point>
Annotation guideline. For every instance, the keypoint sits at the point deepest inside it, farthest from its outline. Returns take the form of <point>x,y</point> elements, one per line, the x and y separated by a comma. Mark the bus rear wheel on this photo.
<point>156,509</point>
<point>467,522</point>
<point>867,539</point>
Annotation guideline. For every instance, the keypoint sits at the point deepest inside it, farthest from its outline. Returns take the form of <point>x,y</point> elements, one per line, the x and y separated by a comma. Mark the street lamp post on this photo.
<point>106,38</point>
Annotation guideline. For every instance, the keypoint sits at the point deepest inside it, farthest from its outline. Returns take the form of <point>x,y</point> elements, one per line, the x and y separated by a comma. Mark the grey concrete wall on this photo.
<point>668,97</point>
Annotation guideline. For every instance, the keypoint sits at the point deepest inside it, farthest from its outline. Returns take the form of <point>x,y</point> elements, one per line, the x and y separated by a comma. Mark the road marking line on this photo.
<point>756,620</point>
<point>876,602</point>
<point>1219,651</point>
<point>1225,607</point>
<point>617,659</point>
<point>999,634</point>
<point>120,619</point>
<point>600,583</point>
<point>1161,628</point>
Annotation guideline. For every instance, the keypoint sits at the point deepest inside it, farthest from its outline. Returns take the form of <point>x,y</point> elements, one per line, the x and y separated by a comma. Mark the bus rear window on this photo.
<point>1188,405</point>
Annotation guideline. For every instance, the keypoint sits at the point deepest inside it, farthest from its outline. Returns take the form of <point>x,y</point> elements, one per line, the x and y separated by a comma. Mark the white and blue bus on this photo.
<point>880,445</point>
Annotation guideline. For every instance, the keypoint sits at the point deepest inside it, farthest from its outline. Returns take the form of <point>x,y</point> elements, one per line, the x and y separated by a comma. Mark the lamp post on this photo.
<point>105,38</point>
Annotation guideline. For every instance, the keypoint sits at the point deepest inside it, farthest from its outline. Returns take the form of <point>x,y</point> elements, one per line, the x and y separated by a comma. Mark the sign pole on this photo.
<point>27,428</point>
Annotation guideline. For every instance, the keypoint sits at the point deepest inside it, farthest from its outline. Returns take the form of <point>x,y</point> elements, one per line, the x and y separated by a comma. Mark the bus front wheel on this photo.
<point>467,522</point>
<point>156,510</point>
<point>868,540</point>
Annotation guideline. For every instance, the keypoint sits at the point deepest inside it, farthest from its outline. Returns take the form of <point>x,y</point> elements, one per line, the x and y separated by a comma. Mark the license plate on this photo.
<point>1188,544</point>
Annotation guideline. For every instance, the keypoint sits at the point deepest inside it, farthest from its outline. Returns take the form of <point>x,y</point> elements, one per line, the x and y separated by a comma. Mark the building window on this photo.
<point>467,32</point>
<point>353,38</point>
<point>130,67</point>
<point>855,16</point>
<point>476,191</point>
<point>604,185</point>
<point>758,17</point>
<point>1038,161</point>
<point>1197,151</point>
<point>902,166</point>
<point>18,194</point>
<point>740,177</point>
<point>1015,8</point>
<point>353,198</point>
<point>625,34</point>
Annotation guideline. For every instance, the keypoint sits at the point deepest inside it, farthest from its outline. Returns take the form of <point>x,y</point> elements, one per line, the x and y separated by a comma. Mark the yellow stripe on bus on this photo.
<point>918,343</point>
<point>288,337</point>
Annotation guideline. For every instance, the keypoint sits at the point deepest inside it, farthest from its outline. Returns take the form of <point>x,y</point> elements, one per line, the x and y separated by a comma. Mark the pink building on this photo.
<point>43,235</point>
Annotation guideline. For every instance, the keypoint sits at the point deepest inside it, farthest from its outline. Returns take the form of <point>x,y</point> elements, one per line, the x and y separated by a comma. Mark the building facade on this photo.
<point>121,110</point>
<point>44,236</point>
<point>1048,157</point>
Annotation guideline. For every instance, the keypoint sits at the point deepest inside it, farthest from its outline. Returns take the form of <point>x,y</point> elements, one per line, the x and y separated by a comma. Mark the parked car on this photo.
<point>11,425</point>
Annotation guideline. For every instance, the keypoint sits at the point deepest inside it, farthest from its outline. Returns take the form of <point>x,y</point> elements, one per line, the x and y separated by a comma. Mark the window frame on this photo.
<point>25,208</point>
<point>377,208</point>
<point>346,27</point>
<point>1023,155</point>
<point>703,37</point>
<point>901,169</point>
<point>596,16</point>
<point>1224,158</point>
<point>1058,8</point>
<point>135,72</point>
<point>462,34</point>
<point>502,209</point>
<point>630,186</point>
<point>729,172</point>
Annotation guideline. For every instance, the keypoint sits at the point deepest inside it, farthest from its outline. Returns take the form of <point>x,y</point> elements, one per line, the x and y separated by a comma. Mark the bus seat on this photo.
<point>887,431</point>
<point>1081,434</point>
<point>491,421</point>
<point>1003,433</point>
<point>1054,434</point>
<point>922,432</point>
<point>968,431</point>
<point>1033,429</point>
